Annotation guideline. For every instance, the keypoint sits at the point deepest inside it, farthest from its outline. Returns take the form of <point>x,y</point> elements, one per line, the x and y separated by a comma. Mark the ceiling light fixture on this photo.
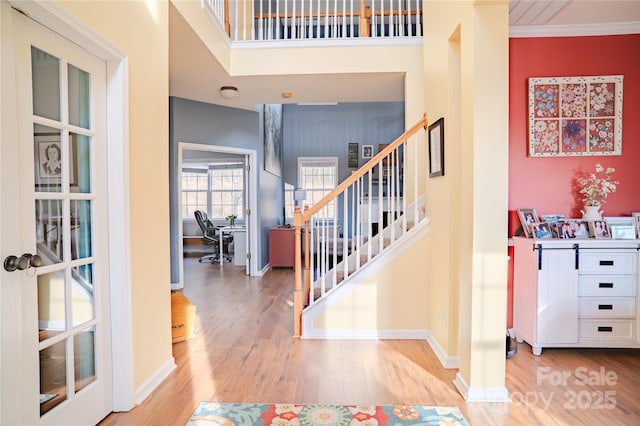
<point>229,92</point>
<point>287,95</point>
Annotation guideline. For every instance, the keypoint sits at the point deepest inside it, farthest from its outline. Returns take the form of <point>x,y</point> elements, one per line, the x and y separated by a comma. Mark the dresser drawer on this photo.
<point>607,285</point>
<point>605,329</point>
<point>614,307</point>
<point>618,262</point>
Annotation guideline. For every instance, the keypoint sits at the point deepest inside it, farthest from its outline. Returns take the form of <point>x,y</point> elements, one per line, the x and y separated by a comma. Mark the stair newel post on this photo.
<point>297,268</point>
<point>307,260</point>
<point>365,18</point>
<point>227,24</point>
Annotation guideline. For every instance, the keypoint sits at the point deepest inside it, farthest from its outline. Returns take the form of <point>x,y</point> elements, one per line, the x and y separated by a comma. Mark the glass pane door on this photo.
<point>63,212</point>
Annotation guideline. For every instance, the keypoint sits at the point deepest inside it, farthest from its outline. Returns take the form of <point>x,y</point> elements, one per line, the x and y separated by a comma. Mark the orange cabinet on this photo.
<point>281,247</point>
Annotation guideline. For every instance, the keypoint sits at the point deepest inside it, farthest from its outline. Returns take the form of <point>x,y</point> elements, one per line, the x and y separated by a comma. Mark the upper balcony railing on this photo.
<point>278,20</point>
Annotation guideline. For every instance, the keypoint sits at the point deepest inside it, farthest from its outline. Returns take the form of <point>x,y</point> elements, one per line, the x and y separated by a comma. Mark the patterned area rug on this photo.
<point>212,413</point>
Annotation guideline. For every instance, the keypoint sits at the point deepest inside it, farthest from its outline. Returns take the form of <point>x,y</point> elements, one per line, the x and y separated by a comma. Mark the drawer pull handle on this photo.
<point>608,328</point>
<point>605,285</point>
<point>605,307</point>
<point>606,263</point>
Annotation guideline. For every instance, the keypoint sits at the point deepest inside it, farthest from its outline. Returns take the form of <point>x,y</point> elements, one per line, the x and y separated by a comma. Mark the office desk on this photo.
<point>239,244</point>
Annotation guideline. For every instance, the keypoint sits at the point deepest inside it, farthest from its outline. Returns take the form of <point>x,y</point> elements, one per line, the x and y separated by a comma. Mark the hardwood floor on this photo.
<point>243,352</point>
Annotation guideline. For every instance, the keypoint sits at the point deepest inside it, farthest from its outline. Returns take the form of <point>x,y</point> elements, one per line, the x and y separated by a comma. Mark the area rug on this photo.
<point>235,414</point>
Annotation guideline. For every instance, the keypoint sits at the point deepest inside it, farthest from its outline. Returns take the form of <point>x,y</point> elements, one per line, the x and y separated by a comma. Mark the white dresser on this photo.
<point>576,293</point>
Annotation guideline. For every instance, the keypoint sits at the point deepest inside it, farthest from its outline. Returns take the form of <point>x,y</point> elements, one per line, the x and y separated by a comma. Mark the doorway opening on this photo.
<point>217,168</point>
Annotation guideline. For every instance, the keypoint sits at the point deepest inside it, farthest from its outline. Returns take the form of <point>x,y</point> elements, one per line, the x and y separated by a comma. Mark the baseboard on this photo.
<point>265,269</point>
<point>176,286</point>
<point>154,381</point>
<point>476,394</point>
<point>366,334</point>
<point>450,362</point>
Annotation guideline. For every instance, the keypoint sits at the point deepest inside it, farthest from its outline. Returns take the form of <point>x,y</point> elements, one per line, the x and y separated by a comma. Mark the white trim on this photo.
<point>574,30</point>
<point>265,269</point>
<point>70,27</point>
<point>58,19</point>
<point>350,42</point>
<point>482,395</point>
<point>154,381</point>
<point>252,197</point>
<point>447,361</point>
<point>120,233</point>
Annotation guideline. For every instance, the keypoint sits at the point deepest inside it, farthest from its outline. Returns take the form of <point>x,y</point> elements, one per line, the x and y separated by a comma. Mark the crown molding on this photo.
<point>574,30</point>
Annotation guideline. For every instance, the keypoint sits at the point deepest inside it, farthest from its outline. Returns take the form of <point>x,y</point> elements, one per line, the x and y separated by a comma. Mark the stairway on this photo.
<point>337,234</point>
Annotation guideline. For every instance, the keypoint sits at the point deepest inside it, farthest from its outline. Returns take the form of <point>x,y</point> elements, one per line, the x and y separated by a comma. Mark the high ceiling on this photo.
<point>195,74</point>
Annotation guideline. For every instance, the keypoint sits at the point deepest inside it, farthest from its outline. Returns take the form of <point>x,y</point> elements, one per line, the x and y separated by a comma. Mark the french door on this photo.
<point>55,276</point>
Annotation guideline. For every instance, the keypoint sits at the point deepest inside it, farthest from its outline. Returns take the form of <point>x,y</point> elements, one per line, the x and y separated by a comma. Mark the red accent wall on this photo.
<point>548,184</point>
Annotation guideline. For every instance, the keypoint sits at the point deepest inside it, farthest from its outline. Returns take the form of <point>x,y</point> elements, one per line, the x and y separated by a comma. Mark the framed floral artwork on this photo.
<point>572,116</point>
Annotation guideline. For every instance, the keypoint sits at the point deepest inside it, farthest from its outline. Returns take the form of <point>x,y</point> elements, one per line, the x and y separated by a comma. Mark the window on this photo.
<point>195,190</point>
<point>289,203</point>
<point>217,190</point>
<point>318,176</point>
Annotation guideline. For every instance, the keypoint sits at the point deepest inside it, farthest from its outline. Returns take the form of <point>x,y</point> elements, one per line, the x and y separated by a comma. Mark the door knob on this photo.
<point>11,263</point>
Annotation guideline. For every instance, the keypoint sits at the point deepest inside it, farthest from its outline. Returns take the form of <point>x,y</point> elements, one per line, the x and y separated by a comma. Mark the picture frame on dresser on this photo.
<point>527,217</point>
<point>599,229</point>
<point>623,232</point>
<point>541,230</point>
<point>636,215</point>
<point>578,228</point>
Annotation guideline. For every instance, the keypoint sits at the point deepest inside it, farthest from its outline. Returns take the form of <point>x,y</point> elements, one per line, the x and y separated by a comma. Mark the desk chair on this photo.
<point>212,235</point>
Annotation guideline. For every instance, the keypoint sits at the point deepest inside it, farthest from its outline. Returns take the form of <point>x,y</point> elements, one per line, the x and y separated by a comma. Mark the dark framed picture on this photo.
<point>527,217</point>
<point>273,138</point>
<point>353,155</point>
<point>436,148</point>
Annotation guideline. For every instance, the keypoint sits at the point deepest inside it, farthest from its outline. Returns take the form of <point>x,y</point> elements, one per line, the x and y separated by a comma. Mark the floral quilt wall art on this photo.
<point>571,116</point>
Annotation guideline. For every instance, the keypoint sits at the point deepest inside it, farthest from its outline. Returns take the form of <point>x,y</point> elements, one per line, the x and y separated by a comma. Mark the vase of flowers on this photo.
<point>595,189</point>
<point>232,220</point>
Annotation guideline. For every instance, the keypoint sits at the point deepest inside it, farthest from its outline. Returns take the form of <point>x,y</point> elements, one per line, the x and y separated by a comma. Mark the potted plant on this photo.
<point>594,189</point>
<point>232,220</point>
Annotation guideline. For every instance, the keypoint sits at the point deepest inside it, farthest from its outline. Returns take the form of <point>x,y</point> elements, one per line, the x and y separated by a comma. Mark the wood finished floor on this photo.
<point>243,352</point>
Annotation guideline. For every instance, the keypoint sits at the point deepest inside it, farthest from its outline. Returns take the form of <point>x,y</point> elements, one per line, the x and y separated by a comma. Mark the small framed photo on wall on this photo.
<point>436,148</point>
<point>353,155</point>
<point>367,151</point>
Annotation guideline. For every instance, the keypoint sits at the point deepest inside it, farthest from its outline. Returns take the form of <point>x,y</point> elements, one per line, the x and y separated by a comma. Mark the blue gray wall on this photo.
<point>327,130</point>
<point>202,123</point>
<point>308,131</point>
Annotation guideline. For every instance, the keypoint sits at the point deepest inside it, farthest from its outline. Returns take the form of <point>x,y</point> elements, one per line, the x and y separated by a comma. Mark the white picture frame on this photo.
<point>623,232</point>
<point>568,116</point>
<point>367,151</point>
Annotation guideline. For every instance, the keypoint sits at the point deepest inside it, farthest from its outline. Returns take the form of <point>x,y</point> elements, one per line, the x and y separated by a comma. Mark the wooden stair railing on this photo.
<point>246,20</point>
<point>336,246</point>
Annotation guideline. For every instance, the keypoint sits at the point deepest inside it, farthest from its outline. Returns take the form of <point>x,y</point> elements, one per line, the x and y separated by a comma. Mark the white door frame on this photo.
<point>252,203</point>
<point>58,19</point>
